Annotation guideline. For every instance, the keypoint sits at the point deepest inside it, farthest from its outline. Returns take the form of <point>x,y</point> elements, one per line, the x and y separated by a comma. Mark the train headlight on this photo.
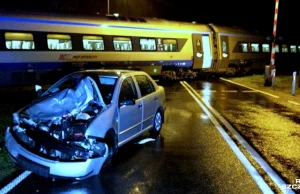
<point>225,55</point>
<point>199,55</point>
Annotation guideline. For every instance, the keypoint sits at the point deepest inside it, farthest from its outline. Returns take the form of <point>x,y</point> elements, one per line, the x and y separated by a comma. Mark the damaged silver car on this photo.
<point>82,120</point>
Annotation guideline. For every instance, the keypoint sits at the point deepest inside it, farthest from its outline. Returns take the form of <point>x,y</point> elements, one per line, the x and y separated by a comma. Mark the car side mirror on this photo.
<point>38,89</point>
<point>126,102</point>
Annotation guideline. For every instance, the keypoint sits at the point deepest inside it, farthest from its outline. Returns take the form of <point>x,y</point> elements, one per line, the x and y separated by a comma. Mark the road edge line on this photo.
<point>266,93</point>
<point>261,162</point>
<point>293,102</point>
<point>15,182</point>
<point>264,187</point>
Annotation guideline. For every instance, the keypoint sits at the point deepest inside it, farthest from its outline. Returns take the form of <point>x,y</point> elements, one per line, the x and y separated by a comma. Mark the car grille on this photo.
<point>32,166</point>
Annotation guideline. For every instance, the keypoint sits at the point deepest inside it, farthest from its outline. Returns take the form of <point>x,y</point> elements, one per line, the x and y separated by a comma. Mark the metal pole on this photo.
<point>299,79</point>
<point>294,83</point>
<point>107,6</point>
<point>273,44</point>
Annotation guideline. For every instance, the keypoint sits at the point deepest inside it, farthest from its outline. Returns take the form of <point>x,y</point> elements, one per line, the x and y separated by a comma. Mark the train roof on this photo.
<point>100,20</point>
<point>120,21</point>
<point>235,30</point>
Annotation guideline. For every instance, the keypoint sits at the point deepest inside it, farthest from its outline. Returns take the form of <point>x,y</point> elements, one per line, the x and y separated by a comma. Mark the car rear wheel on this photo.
<point>157,124</point>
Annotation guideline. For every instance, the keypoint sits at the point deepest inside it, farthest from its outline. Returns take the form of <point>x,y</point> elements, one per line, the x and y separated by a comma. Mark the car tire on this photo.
<point>157,124</point>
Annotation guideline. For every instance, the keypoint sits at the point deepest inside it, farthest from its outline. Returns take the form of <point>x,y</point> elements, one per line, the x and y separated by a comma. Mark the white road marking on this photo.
<point>266,93</point>
<point>15,182</point>
<point>230,91</point>
<point>205,91</point>
<point>249,91</point>
<point>265,166</point>
<point>296,103</point>
<point>252,171</point>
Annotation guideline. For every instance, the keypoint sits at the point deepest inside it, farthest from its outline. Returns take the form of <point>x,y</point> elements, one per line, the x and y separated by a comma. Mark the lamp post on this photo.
<point>107,6</point>
<point>273,70</point>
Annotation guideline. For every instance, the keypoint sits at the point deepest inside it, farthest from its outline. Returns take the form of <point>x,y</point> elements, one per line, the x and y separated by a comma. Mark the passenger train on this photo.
<point>37,48</point>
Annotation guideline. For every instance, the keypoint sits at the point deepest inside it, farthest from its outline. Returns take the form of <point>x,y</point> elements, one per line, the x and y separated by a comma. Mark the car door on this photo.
<point>130,115</point>
<point>149,98</point>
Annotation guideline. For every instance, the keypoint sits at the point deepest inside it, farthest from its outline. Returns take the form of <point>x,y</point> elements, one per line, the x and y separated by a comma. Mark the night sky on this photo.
<point>253,14</point>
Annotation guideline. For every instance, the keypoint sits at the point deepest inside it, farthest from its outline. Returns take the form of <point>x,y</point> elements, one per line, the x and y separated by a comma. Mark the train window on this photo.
<point>265,48</point>
<point>93,43</point>
<point>170,45</point>
<point>59,42</point>
<point>244,47</point>
<point>198,43</point>
<point>277,48</point>
<point>254,47</point>
<point>147,44</point>
<point>224,47</point>
<point>293,48</point>
<point>284,48</point>
<point>122,44</point>
<point>15,40</point>
<point>160,46</point>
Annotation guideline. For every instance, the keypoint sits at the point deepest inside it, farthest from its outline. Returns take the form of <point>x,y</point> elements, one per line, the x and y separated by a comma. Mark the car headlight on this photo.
<point>44,128</point>
<point>16,119</point>
<point>7,133</point>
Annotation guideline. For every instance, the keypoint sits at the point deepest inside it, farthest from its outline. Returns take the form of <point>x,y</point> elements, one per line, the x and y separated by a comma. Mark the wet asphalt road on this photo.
<point>190,156</point>
<point>269,127</point>
<point>224,96</point>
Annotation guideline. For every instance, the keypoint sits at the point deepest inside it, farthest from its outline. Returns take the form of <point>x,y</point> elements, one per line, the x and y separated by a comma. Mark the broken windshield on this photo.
<point>67,82</point>
<point>70,95</point>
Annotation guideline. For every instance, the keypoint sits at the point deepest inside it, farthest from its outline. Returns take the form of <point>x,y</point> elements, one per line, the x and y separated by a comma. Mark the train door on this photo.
<point>197,51</point>
<point>224,52</point>
<point>201,51</point>
<point>207,57</point>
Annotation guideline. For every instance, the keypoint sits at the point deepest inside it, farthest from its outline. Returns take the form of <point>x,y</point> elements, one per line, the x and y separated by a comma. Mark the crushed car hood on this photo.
<point>69,100</point>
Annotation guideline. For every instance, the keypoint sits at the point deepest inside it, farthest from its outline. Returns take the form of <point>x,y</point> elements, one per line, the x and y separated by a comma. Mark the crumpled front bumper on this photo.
<point>52,168</point>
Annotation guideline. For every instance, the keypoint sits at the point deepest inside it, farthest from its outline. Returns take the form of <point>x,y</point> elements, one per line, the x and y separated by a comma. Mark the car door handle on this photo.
<point>155,98</point>
<point>140,105</point>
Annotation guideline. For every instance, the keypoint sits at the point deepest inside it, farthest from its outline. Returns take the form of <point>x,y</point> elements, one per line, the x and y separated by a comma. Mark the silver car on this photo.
<point>81,121</point>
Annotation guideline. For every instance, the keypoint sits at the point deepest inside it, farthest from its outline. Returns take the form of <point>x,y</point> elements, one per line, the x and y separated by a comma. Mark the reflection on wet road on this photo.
<point>219,95</point>
<point>190,156</point>
<point>271,128</point>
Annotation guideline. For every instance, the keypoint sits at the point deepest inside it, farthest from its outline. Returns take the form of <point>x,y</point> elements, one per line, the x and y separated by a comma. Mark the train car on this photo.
<point>287,56</point>
<point>37,48</point>
<point>241,52</point>
<point>238,51</point>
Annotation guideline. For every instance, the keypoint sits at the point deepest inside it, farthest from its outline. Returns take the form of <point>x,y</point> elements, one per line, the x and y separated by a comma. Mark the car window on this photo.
<point>128,90</point>
<point>145,84</point>
<point>107,86</point>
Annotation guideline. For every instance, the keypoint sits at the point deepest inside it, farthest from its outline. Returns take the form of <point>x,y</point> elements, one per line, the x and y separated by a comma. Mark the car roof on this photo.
<point>108,72</point>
